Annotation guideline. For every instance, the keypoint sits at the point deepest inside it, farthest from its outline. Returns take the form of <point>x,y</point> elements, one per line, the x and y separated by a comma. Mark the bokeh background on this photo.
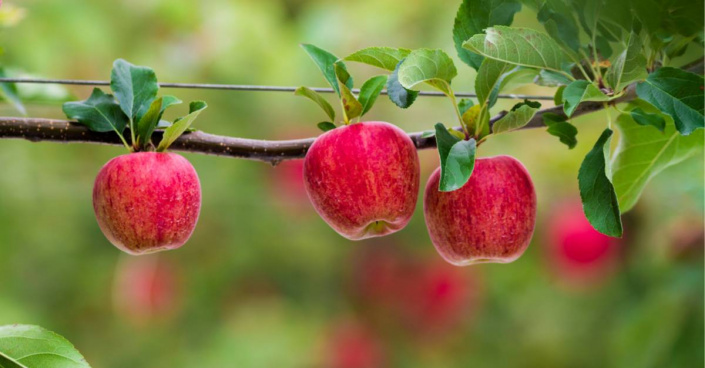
<point>264,282</point>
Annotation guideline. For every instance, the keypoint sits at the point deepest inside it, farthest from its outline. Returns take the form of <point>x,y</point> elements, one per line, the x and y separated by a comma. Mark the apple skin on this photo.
<point>490,219</point>
<point>147,202</point>
<point>363,179</point>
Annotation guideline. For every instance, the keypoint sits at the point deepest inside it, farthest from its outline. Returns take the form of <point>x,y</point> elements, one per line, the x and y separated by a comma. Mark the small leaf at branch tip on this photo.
<point>181,125</point>
<point>427,134</point>
<point>399,95</point>
<point>433,67</point>
<point>326,126</point>
<point>369,92</point>
<point>382,57</point>
<point>559,127</point>
<point>318,99</point>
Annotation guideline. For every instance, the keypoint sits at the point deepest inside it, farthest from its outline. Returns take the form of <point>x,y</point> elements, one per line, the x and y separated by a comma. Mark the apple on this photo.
<point>147,202</point>
<point>489,219</point>
<point>578,254</point>
<point>352,345</point>
<point>363,179</point>
<point>146,288</point>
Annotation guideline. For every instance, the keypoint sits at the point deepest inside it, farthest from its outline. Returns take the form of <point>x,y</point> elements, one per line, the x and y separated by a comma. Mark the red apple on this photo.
<point>146,288</point>
<point>490,219</point>
<point>147,202</point>
<point>363,179</point>
<point>578,253</point>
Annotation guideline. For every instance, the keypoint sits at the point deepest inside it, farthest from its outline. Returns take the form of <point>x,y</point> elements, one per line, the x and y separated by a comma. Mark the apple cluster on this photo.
<point>363,180</point>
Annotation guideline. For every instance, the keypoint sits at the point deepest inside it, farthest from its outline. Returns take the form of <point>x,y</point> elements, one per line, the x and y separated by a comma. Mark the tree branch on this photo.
<point>273,152</point>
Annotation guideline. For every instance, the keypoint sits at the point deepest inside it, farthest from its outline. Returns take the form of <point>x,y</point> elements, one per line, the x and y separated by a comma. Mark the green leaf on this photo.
<point>473,17</point>
<point>181,125</point>
<point>434,67</point>
<point>557,18</point>
<point>135,87</point>
<point>677,93</point>
<point>644,118</point>
<point>519,46</point>
<point>488,80</point>
<point>149,121</point>
<point>558,97</point>
<point>643,152</point>
<point>352,108</point>
<point>326,63</point>
<point>596,191</point>
<point>326,126</point>
<point>33,346</point>
<point>100,113</point>
<point>558,127</point>
<point>580,91</point>
<point>168,101</point>
<point>381,57</point>
<point>318,99</point>
<point>370,90</point>
<point>457,159</point>
<point>464,104</point>
<point>428,133</point>
<point>628,67</point>
<point>549,78</point>
<point>517,77</point>
<point>515,119</point>
<point>475,117</point>
<point>399,95</point>
<point>9,93</point>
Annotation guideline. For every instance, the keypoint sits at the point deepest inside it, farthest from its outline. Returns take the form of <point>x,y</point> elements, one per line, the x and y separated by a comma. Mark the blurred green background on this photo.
<point>264,282</point>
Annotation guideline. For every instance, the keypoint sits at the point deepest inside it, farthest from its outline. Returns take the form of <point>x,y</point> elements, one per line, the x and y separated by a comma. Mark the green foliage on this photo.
<point>382,57</point>
<point>596,190</point>
<point>318,99</point>
<point>457,159</point>
<point>34,346</point>
<point>519,46</point>
<point>628,67</point>
<point>100,113</point>
<point>549,78</point>
<point>488,80</point>
<point>557,18</point>
<point>520,115</point>
<point>677,93</point>
<point>326,63</point>
<point>8,91</point>
<point>642,117</point>
<point>325,126</point>
<point>473,17</point>
<point>370,90</point>
<point>559,127</point>
<point>580,91</point>
<point>352,108</point>
<point>397,93</point>
<point>149,121</point>
<point>434,67</point>
<point>180,125</point>
<point>643,152</point>
<point>464,104</point>
<point>134,86</point>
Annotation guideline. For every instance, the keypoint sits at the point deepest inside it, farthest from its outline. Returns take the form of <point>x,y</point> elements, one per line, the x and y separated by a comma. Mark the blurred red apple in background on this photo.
<point>363,179</point>
<point>353,345</point>
<point>438,298</point>
<point>578,254</point>
<point>147,202</point>
<point>490,219</point>
<point>146,289</point>
<point>427,297</point>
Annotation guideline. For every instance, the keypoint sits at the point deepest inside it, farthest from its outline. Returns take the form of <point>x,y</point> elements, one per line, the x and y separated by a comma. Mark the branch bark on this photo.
<point>273,152</point>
